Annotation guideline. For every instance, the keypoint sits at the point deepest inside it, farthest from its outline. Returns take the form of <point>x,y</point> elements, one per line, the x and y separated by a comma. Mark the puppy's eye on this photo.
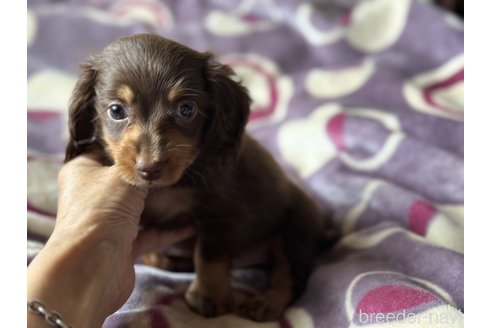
<point>117,112</point>
<point>187,110</point>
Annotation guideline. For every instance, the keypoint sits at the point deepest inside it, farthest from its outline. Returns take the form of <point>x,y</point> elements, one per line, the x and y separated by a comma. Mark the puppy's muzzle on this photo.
<point>149,170</point>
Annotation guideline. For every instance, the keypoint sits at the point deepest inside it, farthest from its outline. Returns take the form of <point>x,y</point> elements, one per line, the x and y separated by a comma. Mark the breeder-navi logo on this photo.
<point>448,317</point>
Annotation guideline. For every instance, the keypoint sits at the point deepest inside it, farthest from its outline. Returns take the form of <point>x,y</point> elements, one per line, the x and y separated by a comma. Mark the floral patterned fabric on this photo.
<point>360,101</point>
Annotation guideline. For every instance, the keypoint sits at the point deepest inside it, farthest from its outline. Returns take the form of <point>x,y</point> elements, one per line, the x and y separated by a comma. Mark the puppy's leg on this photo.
<point>270,305</point>
<point>210,293</point>
<point>293,253</point>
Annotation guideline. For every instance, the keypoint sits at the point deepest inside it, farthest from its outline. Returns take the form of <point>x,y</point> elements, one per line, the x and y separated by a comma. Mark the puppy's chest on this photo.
<point>168,208</point>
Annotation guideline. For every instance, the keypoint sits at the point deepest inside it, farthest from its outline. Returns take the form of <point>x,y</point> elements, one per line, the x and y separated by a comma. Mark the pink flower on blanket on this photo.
<point>393,298</point>
<point>419,216</point>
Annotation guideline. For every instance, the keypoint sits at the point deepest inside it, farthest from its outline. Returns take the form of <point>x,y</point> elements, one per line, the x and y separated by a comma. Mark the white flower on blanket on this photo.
<point>332,83</point>
<point>440,91</point>
<point>243,20</point>
<point>308,144</point>
<point>313,34</point>
<point>150,12</point>
<point>269,88</point>
<point>376,25</point>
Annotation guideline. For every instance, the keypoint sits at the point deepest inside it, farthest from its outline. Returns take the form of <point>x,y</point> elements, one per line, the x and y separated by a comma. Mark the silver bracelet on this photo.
<point>52,318</point>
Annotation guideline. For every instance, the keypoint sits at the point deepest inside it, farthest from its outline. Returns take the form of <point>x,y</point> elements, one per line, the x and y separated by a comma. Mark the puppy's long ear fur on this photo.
<point>81,113</point>
<point>230,108</point>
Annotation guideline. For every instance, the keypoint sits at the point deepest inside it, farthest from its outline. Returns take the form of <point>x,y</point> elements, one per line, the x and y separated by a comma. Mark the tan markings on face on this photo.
<point>175,91</point>
<point>123,152</point>
<point>125,93</point>
<point>178,156</point>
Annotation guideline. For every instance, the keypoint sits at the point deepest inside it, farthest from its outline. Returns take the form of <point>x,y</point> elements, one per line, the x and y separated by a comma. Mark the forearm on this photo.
<point>72,287</point>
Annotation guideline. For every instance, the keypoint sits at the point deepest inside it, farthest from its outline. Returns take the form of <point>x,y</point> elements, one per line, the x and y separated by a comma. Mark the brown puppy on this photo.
<point>172,119</point>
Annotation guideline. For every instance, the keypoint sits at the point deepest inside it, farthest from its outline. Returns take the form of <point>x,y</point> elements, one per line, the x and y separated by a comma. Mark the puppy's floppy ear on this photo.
<point>230,106</point>
<point>81,112</point>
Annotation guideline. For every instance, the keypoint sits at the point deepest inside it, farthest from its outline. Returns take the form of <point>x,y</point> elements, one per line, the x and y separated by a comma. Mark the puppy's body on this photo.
<point>248,204</point>
<point>171,119</point>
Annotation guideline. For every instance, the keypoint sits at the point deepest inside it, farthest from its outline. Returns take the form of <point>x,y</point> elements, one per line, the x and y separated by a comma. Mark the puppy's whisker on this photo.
<point>174,150</point>
<point>195,91</point>
<point>100,114</point>
<point>166,146</point>
<point>179,145</point>
<point>189,94</point>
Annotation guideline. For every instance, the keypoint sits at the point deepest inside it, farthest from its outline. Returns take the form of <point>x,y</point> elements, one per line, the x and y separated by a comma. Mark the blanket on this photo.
<point>361,102</point>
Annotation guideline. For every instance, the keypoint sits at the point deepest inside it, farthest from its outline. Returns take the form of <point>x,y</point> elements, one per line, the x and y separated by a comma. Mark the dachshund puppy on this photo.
<point>172,119</point>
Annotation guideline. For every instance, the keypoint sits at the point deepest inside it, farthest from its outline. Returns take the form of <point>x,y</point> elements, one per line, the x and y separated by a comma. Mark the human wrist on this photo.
<point>68,285</point>
<point>37,312</point>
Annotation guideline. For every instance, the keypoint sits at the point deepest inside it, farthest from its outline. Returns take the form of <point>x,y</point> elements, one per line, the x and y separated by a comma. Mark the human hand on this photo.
<point>86,270</point>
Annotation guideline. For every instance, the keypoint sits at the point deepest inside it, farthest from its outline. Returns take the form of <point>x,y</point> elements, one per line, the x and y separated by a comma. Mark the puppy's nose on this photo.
<point>149,170</point>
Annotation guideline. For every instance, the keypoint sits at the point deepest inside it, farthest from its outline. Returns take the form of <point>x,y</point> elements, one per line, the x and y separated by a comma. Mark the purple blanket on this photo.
<point>360,101</point>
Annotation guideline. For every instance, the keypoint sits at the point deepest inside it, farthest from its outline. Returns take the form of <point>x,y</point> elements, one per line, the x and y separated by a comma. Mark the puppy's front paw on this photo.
<point>260,309</point>
<point>209,303</point>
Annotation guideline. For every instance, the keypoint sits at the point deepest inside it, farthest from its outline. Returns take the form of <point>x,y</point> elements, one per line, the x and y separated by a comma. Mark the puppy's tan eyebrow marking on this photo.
<point>175,91</point>
<point>125,93</point>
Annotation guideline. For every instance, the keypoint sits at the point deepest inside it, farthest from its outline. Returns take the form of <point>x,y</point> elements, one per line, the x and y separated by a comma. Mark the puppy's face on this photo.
<point>155,106</point>
<point>152,113</point>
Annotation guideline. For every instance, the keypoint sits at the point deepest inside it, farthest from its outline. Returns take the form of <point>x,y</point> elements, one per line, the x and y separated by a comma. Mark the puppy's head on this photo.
<point>152,107</point>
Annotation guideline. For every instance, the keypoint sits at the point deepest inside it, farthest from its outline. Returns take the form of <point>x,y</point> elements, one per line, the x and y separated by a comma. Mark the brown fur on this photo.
<point>211,174</point>
<point>125,93</point>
